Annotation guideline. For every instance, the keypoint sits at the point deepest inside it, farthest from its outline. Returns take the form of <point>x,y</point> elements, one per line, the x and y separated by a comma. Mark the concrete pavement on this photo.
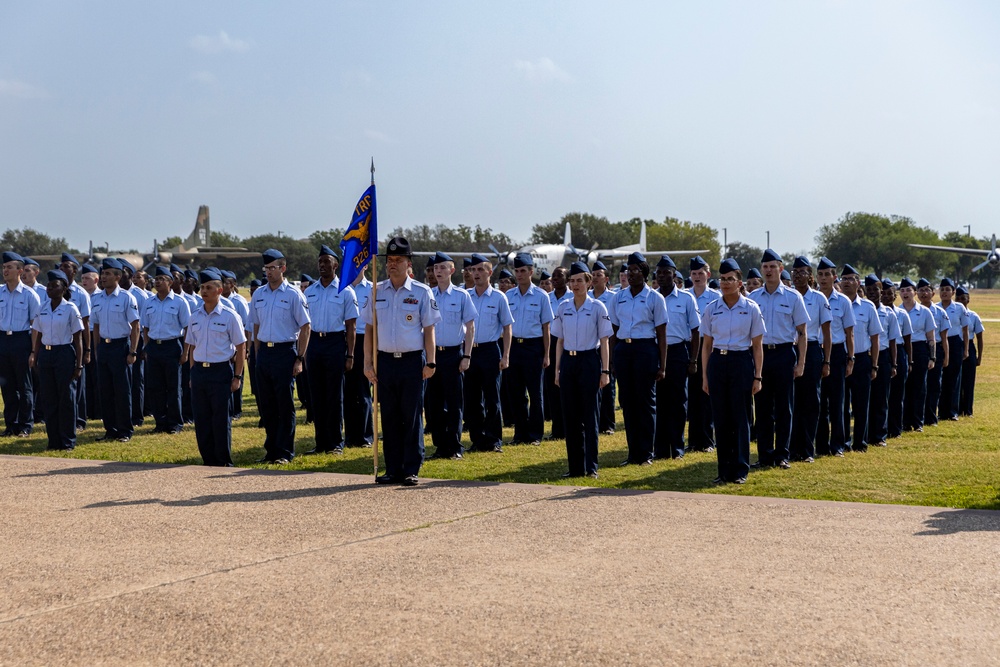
<point>112,563</point>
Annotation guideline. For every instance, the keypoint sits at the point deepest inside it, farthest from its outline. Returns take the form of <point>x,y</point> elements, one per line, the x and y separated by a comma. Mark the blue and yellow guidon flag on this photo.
<point>360,242</point>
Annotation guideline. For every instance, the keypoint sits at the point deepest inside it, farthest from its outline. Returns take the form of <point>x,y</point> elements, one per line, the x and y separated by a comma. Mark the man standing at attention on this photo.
<point>923,358</point>
<point>19,305</point>
<point>701,430</point>
<point>831,439</point>
<point>281,328</point>
<point>818,350</point>
<point>600,291</point>
<point>164,319</point>
<point>116,328</point>
<point>529,355</point>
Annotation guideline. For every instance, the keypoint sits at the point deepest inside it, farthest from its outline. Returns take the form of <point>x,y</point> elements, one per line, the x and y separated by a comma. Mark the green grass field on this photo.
<point>949,465</point>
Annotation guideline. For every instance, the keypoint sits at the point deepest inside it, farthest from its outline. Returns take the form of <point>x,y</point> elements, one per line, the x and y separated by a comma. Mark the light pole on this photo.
<point>768,239</point>
<point>725,243</point>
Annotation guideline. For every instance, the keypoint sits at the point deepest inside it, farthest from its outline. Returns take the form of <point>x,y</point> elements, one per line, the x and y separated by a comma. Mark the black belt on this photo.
<point>17,333</point>
<point>211,364</point>
<point>777,346</point>
<point>164,340</point>
<point>722,352</point>
<point>536,339</point>
<point>631,341</point>
<point>400,355</point>
<point>56,347</point>
<point>324,334</point>
<point>861,354</point>
<point>269,344</point>
<point>579,353</point>
<point>109,341</point>
<point>813,343</point>
<point>448,348</point>
<point>959,336</point>
<point>489,342</point>
<point>676,345</point>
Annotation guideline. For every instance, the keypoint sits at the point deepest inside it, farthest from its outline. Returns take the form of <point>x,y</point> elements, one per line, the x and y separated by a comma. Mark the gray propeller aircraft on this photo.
<point>992,255</point>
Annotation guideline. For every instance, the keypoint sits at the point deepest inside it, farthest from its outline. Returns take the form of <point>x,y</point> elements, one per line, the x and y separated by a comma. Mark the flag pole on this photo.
<point>374,334</point>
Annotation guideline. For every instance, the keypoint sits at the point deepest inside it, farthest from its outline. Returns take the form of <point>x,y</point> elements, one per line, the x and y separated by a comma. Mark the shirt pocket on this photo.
<point>117,307</point>
<point>411,314</point>
<point>452,312</point>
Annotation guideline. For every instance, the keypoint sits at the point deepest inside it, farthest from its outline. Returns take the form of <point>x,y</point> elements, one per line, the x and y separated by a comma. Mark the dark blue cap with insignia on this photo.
<point>713,283</point>
<point>478,258</point>
<point>728,266</point>
<point>635,258</point>
<point>189,273</point>
<point>175,269</point>
<point>688,283</point>
<point>754,272</point>
<point>848,270</point>
<point>948,282</point>
<point>770,256</point>
<point>785,275</point>
<point>56,274</point>
<point>871,279</point>
<point>906,282</point>
<point>442,257</point>
<point>666,263</point>
<point>466,262</point>
<point>209,274</point>
<point>126,265</point>
<point>599,266</point>
<point>398,247</point>
<point>826,263</point>
<point>66,257</point>
<point>326,250</point>
<point>431,261</point>
<point>11,256</point>
<point>227,274</point>
<point>504,273</point>
<point>162,271</point>
<point>111,263</point>
<point>30,262</point>
<point>697,263</point>
<point>523,259</point>
<point>961,291</point>
<point>255,282</point>
<point>87,268</point>
<point>305,278</point>
<point>272,255</point>
<point>923,282</point>
<point>887,282</point>
<point>577,268</point>
<point>546,275</point>
<point>801,262</point>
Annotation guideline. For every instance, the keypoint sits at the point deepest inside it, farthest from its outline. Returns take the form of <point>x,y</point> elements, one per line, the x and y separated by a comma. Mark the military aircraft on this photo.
<point>197,248</point>
<point>548,256</point>
<point>992,255</point>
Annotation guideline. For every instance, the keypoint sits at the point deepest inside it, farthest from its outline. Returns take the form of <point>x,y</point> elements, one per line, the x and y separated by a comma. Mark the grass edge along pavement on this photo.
<point>953,464</point>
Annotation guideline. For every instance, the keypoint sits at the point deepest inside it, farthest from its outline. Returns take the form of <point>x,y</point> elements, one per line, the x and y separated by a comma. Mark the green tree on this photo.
<point>746,255</point>
<point>879,243</point>
<point>327,237</point>
<point>462,238</point>
<point>171,242</point>
<point>586,230</point>
<point>300,256</point>
<point>957,265</point>
<point>223,239</point>
<point>674,234</point>
<point>30,242</point>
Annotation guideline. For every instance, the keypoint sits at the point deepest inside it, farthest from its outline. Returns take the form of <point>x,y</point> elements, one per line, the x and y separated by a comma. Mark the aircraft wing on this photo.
<point>964,251</point>
<point>622,253</point>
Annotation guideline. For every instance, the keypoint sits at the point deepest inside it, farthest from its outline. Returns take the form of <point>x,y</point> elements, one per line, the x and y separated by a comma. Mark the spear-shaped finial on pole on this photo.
<point>373,170</point>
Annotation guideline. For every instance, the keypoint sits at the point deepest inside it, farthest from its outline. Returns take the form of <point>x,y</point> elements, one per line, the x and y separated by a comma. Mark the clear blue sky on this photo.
<point>121,118</point>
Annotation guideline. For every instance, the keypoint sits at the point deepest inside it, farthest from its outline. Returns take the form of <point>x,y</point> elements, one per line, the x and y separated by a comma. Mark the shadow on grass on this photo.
<point>963,521</point>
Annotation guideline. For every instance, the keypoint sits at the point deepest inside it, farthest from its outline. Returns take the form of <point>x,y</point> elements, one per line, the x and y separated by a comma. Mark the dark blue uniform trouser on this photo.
<point>276,400</point>
<point>831,437</point>
<point>552,400</point>
<point>445,401</point>
<point>636,365</point>
<point>116,387</point>
<point>186,413</point>
<point>138,374</point>
<point>934,388</point>
<point>305,396</point>
<point>163,380</point>
<point>580,382</point>
<point>325,358</point>
<point>607,421</point>
<point>482,396</point>
<point>774,403</point>
<point>15,381</point>
<point>897,392</point>
<point>80,399</point>
<point>878,401</point>
<point>92,386</point>
<point>701,427</point>
<point>807,397</point>
<point>951,379</point>
<point>968,384</point>
<point>210,389</point>
<point>524,385</point>
<point>730,382</point>
<point>58,394</point>
<point>671,404</point>
<point>916,387</point>
<point>401,399</point>
<point>358,399</point>
<point>857,391</point>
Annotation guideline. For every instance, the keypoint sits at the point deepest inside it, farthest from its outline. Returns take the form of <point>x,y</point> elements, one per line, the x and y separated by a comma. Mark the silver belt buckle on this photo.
<point>723,352</point>
<point>9,333</point>
<point>206,364</point>
<point>397,355</point>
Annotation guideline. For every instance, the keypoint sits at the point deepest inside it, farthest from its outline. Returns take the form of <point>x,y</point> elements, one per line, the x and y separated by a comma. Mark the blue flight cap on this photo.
<point>545,275</point>
<point>785,275</point>
<point>523,259</point>
<point>801,262</point>
<point>478,259</point>
<point>906,282</point>
<point>697,263</point>
<point>948,282</point>
<point>770,256</point>
<point>209,274</point>
<point>826,263</point>
<point>754,272</point>
<point>431,261</point>
<point>30,262</point>
<point>504,273</point>
<point>227,274</point>
<point>189,273</point>
<point>87,268</point>
<point>442,257</point>
<point>66,257</point>
<point>599,266</point>
<point>11,256</point>
<point>923,282</point>
<point>961,291</point>
<point>577,268</point>
<point>306,278</point>
<point>466,262</point>
<point>175,269</point>
<point>398,247</point>
<point>272,255</point>
<point>872,279</point>
<point>666,263</point>
<point>255,282</point>
<point>162,271</point>
<point>111,263</point>
<point>635,258</point>
<point>688,283</point>
<point>56,274</point>
<point>848,270</point>
<point>728,266</point>
<point>126,265</point>
<point>325,250</point>
<point>713,283</point>
<point>887,282</point>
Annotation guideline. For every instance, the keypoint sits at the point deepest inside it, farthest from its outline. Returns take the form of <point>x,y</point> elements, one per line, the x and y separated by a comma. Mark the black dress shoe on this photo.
<point>264,460</point>
<point>106,437</point>
<point>785,465</point>
<point>457,456</point>
<point>740,480</point>
<point>624,463</point>
<point>570,474</point>
<point>314,450</point>
<point>497,449</point>
<point>410,480</point>
<point>386,479</point>
<point>592,475</point>
<point>758,464</point>
<point>124,438</point>
<point>718,480</point>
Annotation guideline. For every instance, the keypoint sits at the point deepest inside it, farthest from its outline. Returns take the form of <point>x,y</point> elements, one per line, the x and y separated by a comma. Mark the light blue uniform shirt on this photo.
<point>58,326</point>
<point>42,293</point>
<point>841,318</point>
<point>194,301</point>
<point>975,324</point>
<point>866,324</point>
<point>242,308</point>
<point>903,319</point>
<point>363,294</point>
<point>922,321</point>
<point>402,315</point>
<point>941,321</point>
<point>783,310</point>
<point>638,316</point>
<point>818,309</point>
<point>958,315</point>
<point>214,336</point>
<point>90,300</point>
<point>732,328</point>
<point>165,319</point>
<point>607,298</point>
<point>114,313</point>
<point>140,295</point>
<point>329,308</point>
<point>18,308</point>
<point>890,327</point>
<point>554,304</point>
<point>582,328</point>
<point>682,316</point>
<point>706,297</point>
<point>530,311</point>
<point>279,313</point>
<point>492,314</point>
<point>79,297</point>
<point>457,311</point>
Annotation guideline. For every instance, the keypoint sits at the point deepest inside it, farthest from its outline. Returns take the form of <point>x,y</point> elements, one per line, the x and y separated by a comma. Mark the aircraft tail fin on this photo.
<point>567,237</point>
<point>642,238</point>
<point>201,235</point>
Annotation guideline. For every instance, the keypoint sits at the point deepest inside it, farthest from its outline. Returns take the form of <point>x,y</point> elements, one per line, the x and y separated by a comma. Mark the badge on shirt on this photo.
<point>411,299</point>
